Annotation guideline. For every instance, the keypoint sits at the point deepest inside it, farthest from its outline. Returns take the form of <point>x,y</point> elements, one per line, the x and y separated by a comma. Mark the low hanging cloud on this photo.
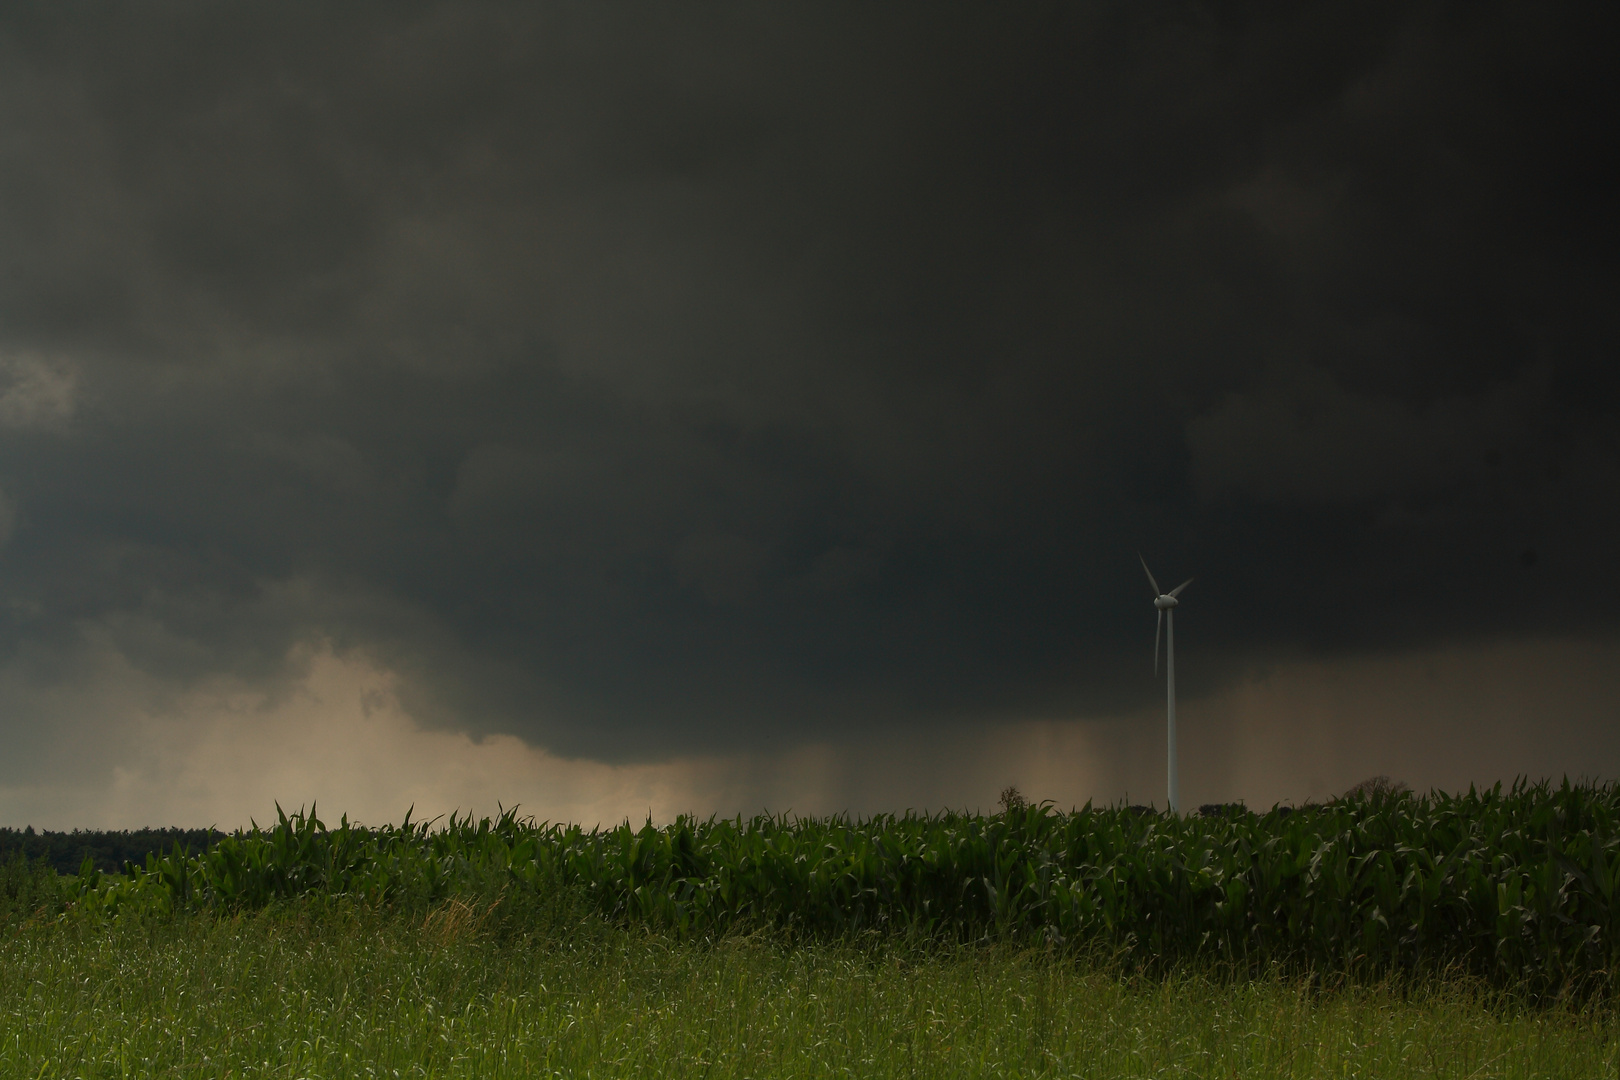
<point>8,519</point>
<point>35,392</point>
<point>660,386</point>
<point>337,738</point>
<point>1307,439</point>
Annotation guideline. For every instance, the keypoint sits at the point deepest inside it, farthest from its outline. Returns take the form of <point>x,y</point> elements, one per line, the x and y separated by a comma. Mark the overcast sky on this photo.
<point>627,409</point>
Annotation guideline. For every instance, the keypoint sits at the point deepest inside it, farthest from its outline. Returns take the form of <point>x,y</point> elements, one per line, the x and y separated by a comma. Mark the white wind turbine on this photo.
<point>1166,603</point>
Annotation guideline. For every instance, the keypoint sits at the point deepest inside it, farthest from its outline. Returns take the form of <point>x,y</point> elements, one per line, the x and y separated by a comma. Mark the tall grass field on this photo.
<point>1388,936</point>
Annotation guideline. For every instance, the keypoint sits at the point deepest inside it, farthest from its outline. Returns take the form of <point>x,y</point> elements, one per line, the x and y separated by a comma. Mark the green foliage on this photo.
<point>106,849</point>
<point>22,885</point>
<point>1516,886</point>
<point>31,888</point>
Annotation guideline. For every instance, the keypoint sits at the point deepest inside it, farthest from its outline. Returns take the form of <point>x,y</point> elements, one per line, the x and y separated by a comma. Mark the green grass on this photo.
<point>295,992</point>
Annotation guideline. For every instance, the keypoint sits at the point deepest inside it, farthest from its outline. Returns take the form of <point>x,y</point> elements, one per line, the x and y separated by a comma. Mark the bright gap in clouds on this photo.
<point>223,754</point>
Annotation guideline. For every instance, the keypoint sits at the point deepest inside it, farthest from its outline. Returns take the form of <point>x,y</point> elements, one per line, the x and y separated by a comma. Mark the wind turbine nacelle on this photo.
<point>1165,601</point>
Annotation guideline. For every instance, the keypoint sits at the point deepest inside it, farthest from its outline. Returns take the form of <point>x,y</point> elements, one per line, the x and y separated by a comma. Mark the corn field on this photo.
<point>1518,885</point>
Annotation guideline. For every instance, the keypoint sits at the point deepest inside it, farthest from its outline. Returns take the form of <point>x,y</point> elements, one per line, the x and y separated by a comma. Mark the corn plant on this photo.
<point>1517,885</point>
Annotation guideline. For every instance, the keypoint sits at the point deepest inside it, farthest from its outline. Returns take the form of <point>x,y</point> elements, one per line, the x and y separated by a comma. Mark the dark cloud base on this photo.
<point>644,382</point>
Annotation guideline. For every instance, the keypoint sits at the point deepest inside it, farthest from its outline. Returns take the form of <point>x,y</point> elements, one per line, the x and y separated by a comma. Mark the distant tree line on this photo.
<point>66,851</point>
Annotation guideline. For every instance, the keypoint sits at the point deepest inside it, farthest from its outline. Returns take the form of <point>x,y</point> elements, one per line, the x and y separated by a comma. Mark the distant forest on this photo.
<point>109,850</point>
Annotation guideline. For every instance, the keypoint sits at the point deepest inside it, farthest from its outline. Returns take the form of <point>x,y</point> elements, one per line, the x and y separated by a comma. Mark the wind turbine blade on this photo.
<point>1155,584</point>
<point>1156,628</point>
<point>1177,590</point>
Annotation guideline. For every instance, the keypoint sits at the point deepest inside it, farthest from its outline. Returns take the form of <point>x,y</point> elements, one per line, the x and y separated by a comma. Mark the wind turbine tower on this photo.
<point>1166,603</point>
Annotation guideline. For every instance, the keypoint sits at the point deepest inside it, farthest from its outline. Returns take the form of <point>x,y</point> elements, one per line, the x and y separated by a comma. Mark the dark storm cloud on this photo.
<point>644,380</point>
